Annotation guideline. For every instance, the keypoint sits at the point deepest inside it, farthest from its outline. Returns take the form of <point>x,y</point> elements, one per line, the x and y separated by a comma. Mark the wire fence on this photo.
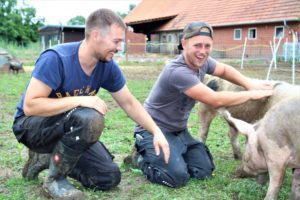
<point>280,55</point>
<point>258,51</point>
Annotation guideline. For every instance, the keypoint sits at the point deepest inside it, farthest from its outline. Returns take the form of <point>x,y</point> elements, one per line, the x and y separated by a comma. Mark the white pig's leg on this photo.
<point>206,115</point>
<point>276,173</point>
<point>295,194</point>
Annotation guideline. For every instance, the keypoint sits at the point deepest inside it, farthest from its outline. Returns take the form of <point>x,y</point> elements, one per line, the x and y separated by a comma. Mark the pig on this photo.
<point>272,146</point>
<point>249,111</point>
<point>15,66</point>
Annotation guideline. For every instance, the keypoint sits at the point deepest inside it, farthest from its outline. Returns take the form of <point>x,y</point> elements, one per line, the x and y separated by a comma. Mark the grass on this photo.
<point>118,137</point>
<point>25,54</point>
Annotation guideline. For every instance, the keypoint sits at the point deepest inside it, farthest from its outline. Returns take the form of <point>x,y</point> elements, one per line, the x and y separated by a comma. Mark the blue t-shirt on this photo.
<point>59,68</point>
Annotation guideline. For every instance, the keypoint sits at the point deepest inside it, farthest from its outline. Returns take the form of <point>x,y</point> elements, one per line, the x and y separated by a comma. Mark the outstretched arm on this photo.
<point>231,74</point>
<point>204,94</point>
<point>136,111</point>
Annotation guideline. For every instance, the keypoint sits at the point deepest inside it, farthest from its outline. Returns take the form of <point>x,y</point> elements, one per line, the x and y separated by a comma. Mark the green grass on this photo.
<point>27,55</point>
<point>118,137</point>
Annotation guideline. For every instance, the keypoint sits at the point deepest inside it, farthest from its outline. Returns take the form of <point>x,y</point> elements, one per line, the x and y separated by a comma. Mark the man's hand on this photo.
<point>160,142</point>
<point>258,85</point>
<point>258,94</point>
<point>94,102</point>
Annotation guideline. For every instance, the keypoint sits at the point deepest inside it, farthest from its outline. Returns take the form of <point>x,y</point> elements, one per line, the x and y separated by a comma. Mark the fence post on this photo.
<point>127,50</point>
<point>274,52</point>
<point>286,49</point>
<point>243,55</point>
<point>294,56</point>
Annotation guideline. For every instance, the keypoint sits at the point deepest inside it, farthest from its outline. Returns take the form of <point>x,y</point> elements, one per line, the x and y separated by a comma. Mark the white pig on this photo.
<point>250,111</point>
<point>272,146</point>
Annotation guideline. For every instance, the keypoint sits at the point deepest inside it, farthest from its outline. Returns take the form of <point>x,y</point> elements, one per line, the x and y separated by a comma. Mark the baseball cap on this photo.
<point>194,29</point>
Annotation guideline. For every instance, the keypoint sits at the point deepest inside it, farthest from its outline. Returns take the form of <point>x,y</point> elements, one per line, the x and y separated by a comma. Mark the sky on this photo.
<point>60,11</point>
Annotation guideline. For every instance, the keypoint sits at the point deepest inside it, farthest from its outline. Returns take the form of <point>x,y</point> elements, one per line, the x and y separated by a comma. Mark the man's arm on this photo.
<point>38,103</point>
<point>204,94</point>
<point>136,111</point>
<point>229,73</point>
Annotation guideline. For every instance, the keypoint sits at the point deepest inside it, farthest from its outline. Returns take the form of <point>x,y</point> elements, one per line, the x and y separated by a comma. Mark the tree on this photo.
<point>131,7</point>
<point>78,20</point>
<point>18,25</point>
<point>123,15</point>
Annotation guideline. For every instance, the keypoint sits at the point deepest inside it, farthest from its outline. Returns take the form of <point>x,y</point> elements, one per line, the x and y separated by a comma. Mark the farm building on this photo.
<point>236,23</point>
<point>56,34</point>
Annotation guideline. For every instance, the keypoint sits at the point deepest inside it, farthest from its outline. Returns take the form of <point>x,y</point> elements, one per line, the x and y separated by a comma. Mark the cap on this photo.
<point>194,29</point>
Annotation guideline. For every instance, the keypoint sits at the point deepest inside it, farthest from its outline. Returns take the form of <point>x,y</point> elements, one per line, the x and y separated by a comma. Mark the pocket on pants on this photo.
<point>143,141</point>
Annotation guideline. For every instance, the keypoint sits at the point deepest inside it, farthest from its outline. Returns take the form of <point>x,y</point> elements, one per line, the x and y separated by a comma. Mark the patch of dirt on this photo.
<point>5,173</point>
<point>282,73</point>
<point>141,72</point>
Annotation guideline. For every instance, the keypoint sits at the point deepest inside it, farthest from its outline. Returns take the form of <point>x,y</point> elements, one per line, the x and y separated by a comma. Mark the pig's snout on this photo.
<point>241,173</point>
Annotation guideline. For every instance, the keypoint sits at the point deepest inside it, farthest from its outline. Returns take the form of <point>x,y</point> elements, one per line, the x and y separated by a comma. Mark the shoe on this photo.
<point>35,164</point>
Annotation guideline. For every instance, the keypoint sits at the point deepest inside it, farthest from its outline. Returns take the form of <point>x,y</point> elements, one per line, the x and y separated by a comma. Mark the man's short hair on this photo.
<point>102,19</point>
<point>196,28</point>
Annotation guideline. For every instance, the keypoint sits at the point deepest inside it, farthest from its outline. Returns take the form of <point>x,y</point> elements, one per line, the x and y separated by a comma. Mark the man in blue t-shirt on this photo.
<point>173,96</point>
<point>60,118</point>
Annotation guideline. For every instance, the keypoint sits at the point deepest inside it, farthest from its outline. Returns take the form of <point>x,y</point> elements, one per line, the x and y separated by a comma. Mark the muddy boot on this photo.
<point>35,164</point>
<point>56,185</point>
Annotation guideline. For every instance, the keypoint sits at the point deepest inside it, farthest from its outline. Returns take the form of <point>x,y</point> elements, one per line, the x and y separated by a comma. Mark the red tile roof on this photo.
<point>215,12</point>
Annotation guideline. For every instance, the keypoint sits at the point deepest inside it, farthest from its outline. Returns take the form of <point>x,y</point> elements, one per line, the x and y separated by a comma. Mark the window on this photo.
<point>169,38</point>
<point>237,34</point>
<point>252,34</point>
<point>163,38</point>
<point>279,33</point>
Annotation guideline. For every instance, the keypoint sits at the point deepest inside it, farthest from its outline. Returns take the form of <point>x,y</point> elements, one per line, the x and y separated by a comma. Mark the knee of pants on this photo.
<point>89,121</point>
<point>103,181</point>
<point>172,178</point>
<point>200,173</point>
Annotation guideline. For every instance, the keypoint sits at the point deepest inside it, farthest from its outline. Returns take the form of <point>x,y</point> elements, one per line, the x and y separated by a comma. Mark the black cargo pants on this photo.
<point>188,158</point>
<point>79,129</point>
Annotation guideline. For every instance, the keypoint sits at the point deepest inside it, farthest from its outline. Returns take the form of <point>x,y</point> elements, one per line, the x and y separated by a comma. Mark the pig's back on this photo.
<point>282,123</point>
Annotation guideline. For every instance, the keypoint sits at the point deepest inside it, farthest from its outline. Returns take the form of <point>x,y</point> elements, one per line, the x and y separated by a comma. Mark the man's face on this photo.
<point>196,50</point>
<point>109,42</point>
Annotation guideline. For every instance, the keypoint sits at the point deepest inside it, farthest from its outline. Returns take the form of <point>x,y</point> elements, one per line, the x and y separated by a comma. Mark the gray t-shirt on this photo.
<point>167,104</point>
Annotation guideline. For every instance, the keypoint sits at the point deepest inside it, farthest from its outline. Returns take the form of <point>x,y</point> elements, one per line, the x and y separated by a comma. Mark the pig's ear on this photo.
<point>242,126</point>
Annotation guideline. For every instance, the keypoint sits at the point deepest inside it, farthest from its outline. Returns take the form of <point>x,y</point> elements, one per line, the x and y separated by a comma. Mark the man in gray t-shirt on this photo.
<point>171,100</point>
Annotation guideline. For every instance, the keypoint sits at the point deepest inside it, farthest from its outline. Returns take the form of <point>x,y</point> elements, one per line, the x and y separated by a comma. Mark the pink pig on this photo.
<point>272,145</point>
<point>249,111</point>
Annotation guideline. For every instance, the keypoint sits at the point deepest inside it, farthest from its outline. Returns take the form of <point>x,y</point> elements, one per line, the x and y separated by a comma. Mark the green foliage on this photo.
<point>78,20</point>
<point>123,15</point>
<point>25,54</point>
<point>131,7</point>
<point>18,25</point>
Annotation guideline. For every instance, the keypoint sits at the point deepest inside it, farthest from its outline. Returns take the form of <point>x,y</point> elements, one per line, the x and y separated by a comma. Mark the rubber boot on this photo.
<point>35,164</point>
<point>62,161</point>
